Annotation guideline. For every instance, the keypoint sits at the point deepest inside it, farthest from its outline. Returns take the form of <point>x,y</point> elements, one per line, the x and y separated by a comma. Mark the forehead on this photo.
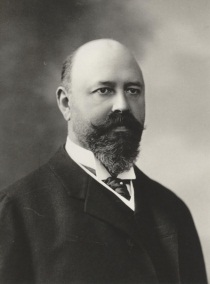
<point>106,62</point>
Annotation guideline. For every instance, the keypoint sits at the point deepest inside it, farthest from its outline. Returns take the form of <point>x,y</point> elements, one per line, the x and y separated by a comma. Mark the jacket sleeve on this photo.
<point>192,267</point>
<point>15,264</point>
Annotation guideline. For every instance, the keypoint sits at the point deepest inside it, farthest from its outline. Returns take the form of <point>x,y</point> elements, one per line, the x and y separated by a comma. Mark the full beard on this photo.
<point>116,149</point>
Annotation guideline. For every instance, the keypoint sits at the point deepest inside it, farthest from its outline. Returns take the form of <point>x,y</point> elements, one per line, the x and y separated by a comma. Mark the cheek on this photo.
<point>138,110</point>
<point>91,108</point>
<point>97,113</point>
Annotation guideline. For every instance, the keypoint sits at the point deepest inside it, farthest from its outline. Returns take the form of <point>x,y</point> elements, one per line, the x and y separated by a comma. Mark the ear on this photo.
<point>63,102</point>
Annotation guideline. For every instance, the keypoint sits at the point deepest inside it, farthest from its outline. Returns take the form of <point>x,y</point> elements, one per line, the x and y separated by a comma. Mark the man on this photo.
<point>89,215</point>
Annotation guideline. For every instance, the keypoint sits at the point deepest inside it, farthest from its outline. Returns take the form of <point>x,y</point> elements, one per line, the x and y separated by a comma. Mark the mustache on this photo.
<point>117,119</point>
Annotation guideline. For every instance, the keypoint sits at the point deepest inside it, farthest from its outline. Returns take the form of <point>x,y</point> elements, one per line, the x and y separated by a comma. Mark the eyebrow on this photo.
<point>107,83</point>
<point>136,83</point>
<point>112,84</point>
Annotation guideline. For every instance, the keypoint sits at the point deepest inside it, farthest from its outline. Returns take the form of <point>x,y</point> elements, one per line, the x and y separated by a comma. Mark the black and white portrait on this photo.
<point>104,141</point>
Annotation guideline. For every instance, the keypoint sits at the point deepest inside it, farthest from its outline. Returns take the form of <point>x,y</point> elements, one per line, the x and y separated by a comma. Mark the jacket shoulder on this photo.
<point>171,215</point>
<point>161,198</point>
<point>31,183</point>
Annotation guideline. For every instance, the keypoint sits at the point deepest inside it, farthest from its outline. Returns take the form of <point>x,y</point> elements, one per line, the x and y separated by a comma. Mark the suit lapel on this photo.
<point>104,205</point>
<point>73,178</point>
<point>158,233</point>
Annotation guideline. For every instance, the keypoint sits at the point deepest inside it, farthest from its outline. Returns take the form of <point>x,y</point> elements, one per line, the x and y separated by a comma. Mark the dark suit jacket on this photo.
<point>59,225</point>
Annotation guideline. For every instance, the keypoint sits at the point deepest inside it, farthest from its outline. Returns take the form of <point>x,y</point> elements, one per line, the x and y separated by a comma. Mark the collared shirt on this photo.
<point>85,158</point>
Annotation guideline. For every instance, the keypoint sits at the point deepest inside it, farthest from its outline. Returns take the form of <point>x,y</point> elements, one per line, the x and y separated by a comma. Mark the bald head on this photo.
<point>93,54</point>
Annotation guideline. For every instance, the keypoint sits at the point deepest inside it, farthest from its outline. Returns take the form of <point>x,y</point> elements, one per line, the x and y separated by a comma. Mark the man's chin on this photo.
<point>117,151</point>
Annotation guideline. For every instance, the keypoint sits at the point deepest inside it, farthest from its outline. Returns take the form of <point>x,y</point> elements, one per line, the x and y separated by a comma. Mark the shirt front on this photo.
<point>85,158</point>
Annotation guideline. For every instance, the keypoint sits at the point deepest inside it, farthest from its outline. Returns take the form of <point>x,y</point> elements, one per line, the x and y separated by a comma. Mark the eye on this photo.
<point>104,91</point>
<point>133,91</point>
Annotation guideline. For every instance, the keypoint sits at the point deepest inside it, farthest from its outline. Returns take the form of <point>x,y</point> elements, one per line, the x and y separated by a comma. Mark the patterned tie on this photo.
<point>118,185</point>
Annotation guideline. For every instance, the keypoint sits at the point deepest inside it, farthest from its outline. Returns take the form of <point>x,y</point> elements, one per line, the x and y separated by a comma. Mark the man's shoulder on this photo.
<point>38,180</point>
<point>28,183</point>
<point>160,197</point>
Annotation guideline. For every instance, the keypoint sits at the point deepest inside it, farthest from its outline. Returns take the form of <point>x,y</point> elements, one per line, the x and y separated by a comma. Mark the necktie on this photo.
<point>119,186</point>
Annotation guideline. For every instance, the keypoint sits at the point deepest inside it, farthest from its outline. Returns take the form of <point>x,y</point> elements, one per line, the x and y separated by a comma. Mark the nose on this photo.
<point>120,102</point>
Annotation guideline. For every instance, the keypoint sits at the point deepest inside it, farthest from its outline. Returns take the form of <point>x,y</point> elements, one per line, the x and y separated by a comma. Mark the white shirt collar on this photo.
<point>86,158</point>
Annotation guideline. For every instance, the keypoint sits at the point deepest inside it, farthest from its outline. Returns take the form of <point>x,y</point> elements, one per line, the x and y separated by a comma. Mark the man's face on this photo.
<point>103,83</point>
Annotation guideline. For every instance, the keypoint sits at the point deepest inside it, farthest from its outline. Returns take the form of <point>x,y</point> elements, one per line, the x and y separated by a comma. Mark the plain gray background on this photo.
<point>171,41</point>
